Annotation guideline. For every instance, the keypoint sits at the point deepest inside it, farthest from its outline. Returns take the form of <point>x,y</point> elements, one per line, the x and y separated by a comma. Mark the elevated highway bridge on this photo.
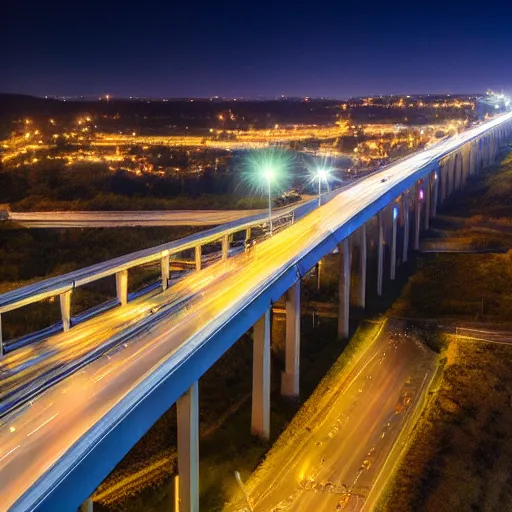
<point>56,448</point>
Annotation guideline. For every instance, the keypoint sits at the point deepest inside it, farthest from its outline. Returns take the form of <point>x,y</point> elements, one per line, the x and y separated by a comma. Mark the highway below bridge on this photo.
<point>56,448</point>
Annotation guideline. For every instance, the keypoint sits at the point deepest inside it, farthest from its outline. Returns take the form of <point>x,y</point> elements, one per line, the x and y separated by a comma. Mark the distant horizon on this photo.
<point>103,97</point>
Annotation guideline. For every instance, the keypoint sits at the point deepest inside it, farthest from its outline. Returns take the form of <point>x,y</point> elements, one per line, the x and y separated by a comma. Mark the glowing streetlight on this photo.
<point>269,175</point>
<point>321,175</point>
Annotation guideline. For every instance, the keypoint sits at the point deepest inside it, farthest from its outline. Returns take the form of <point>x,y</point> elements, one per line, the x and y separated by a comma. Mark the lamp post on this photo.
<point>269,175</point>
<point>322,175</point>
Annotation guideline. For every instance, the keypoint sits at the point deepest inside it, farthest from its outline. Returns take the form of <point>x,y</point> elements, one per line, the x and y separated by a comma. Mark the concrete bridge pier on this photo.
<point>466,163</point>
<point>122,287</point>
<point>435,191</point>
<point>225,247</point>
<point>394,227</point>
<point>260,417</point>
<point>197,254</point>
<point>86,506</point>
<point>460,171</point>
<point>344,289</point>
<point>188,449</point>
<point>380,251</point>
<point>480,156</point>
<point>165,269</point>
<point>487,151</point>
<point>417,216</point>
<point>318,274</point>
<point>443,174</point>
<point>472,154</point>
<point>1,339</point>
<point>427,186</point>
<point>247,236</point>
<point>455,183</point>
<point>360,290</point>
<point>451,175</point>
<point>290,377</point>
<point>407,229</point>
<point>65,310</point>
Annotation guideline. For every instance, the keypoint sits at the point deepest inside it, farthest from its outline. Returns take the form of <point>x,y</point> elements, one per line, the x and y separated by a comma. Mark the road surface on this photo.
<point>75,413</point>
<point>92,219</point>
<point>115,219</point>
<point>333,460</point>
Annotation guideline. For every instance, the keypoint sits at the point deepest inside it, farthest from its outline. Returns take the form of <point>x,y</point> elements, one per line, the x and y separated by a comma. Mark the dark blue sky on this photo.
<point>195,48</point>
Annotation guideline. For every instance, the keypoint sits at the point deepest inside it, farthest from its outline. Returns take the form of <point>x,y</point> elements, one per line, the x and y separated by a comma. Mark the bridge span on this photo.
<point>56,449</point>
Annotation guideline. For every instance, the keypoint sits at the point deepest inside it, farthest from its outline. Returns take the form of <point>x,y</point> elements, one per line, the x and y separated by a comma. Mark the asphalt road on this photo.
<point>332,462</point>
<point>98,219</point>
<point>114,219</point>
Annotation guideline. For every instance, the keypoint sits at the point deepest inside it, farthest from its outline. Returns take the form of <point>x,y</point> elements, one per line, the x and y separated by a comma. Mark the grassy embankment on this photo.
<point>459,458</point>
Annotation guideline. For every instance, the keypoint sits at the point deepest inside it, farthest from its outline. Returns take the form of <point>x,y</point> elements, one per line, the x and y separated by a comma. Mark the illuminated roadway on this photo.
<point>66,433</point>
<point>336,456</point>
<point>92,219</point>
<point>98,219</point>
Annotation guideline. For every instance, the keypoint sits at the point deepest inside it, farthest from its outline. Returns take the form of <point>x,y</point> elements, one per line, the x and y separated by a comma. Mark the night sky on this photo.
<point>233,49</point>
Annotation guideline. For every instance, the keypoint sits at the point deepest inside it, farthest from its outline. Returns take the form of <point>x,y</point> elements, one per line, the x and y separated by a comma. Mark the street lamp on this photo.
<point>321,175</point>
<point>269,175</point>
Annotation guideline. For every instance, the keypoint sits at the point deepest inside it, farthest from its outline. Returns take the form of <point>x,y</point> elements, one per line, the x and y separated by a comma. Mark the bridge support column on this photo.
<point>466,163</point>
<point>417,218</point>
<point>247,234</point>
<point>427,184</point>
<point>318,271</point>
<point>290,377</point>
<point>344,289</point>
<point>407,229</point>
<point>394,218</point>
<point>188,449</point>
<point>360,295</point>
<point>87,505</point>
<point>260,419</point>
<point>460,170</point>
<point>165,269</point>
<point>451,176</point>
<point>1,339</point>
<point>225,247</point>
<point>443,174</point>
<point>435,192</point>
<point>380,252</point>
<point>198,253</point>
<point>122,287</point>
<point>65,309</point>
